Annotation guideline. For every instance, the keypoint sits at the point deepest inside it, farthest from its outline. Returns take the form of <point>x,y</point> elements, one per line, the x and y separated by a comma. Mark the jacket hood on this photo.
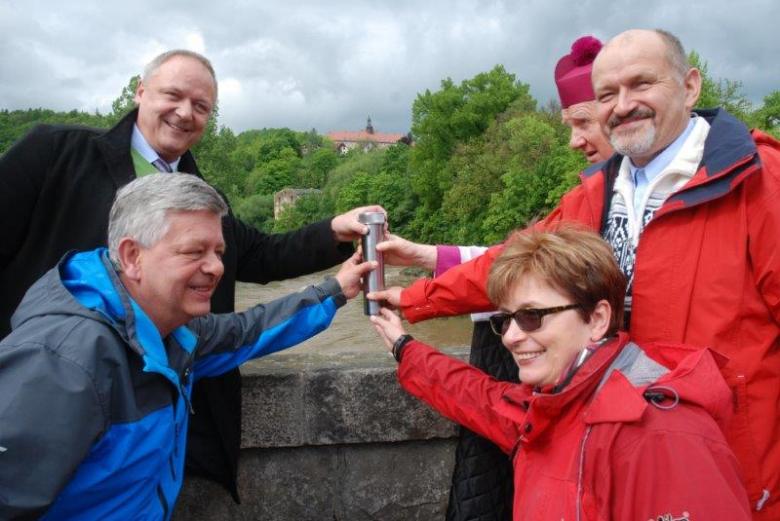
<point>662,375</point>
<point>66,290</point>
<point>730,156</point>
<point>625,380</point>
<point>85,284</point>
<point>729,142</point>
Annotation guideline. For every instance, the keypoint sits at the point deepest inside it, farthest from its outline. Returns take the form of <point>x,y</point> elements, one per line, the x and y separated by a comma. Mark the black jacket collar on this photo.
<point>115,145</point>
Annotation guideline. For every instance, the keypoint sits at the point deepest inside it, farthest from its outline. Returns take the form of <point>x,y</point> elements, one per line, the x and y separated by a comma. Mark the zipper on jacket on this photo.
<point>733,170</point>
<point>512,454</point>
<point>581,472</point>
<point>187,402</point>
<point>185,381</point>
<point>525,405</point>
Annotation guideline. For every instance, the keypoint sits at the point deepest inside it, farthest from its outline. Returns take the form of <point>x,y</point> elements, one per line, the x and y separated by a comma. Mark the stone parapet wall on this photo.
<point>343,442</point>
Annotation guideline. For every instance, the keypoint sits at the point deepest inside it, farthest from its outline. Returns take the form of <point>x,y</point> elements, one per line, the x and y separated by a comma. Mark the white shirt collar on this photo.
<point>142,146</point>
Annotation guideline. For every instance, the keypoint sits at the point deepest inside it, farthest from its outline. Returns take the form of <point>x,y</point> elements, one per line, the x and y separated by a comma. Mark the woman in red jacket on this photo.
<point>599,428</point>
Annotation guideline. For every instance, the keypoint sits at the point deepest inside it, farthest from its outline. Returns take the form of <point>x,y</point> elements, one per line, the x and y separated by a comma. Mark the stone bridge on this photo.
<point>339,442</point>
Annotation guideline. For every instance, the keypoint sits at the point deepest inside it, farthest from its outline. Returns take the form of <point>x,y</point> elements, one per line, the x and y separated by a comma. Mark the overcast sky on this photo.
<point>328,65</point>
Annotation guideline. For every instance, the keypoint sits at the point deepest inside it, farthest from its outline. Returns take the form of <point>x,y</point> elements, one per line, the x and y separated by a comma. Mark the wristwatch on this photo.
<point>399,344</point>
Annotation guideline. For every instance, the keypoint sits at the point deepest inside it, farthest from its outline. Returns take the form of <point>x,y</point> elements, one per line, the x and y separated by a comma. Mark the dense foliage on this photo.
<point>486,159</point>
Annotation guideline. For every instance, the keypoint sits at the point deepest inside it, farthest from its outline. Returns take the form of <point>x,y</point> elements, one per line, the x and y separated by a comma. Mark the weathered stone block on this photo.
<point>389,482</point>
<point>339,443</point>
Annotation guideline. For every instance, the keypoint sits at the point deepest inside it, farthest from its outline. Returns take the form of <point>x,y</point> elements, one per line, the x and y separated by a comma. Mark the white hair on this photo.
<point>153,65</point>
<point>675,54</point>
<point>140,209</point>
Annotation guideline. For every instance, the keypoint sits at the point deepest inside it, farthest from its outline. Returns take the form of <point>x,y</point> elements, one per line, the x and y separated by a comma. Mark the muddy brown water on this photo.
<point>351,337</point>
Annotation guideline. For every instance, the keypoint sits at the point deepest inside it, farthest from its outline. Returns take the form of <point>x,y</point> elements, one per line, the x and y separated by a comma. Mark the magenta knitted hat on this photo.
<point>572,74</point>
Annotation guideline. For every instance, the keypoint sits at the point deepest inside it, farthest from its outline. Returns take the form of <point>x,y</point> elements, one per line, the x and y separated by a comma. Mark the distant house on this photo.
<point>288,196</point>
<point>345,140</point>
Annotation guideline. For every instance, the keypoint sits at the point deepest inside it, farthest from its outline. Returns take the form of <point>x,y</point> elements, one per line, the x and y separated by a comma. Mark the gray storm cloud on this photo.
<point>329,65</point>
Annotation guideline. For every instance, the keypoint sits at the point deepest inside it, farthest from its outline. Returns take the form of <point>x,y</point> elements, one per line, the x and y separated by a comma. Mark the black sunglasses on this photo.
<point>529,319</point>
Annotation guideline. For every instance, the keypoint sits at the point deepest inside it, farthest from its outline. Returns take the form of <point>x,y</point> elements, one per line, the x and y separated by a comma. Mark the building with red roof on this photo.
<point>346,140</point>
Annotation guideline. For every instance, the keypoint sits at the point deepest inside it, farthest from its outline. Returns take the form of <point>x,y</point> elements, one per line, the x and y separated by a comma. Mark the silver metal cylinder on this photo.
<point>375,280</point>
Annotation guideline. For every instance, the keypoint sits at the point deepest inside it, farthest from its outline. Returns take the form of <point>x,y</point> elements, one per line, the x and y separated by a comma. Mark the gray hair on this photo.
<point>675,54</point>
<point>140,209</point>
<point>153,65</point>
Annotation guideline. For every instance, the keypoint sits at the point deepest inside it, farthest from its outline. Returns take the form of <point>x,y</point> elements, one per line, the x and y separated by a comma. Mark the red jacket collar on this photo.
<point>694,378</point>
<point>524,406</point>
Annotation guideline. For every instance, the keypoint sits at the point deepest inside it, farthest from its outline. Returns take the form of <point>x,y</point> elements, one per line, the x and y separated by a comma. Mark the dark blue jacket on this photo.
<point>94,404</point>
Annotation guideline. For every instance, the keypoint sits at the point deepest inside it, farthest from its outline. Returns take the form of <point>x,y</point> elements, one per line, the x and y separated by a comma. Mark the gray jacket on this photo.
<point>94,404</point>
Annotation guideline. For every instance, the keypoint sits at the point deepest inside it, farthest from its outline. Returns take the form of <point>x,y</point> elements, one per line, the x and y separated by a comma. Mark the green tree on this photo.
<point>477,168</point>
<point>16,123</point>
<point>245,155</point>
<point>354,193</point>
<point>274,141</point>
<point>768,116</point>
<point>258,211</point>
<point>720,93</point>
<point>215,155</point>
<point>125,102</point>
<point>307,209</point>
<point>316,166</point>
<point>541,169</point>
<point>272,175</point>
<point>310,141</point>
<point>342,175</point>
<point>443,120</point>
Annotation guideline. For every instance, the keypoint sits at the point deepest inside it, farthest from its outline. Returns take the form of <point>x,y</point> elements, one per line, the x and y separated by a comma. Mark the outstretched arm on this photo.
<point>460,290</point>
<point>457,390</point>
<point>263,257</point>
<point>228,340</point>
<point>400,252</point>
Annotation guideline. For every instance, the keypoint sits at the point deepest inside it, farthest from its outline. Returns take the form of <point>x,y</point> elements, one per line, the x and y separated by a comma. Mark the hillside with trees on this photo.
<point>487,158</point>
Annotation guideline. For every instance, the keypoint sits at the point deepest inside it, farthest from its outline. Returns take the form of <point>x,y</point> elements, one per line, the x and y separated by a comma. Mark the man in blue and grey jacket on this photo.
<point>97,373</point>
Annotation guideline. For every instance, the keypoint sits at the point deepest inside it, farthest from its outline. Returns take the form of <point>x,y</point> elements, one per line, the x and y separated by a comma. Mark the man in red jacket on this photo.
<point>482,476</point>
<point>691,207</point>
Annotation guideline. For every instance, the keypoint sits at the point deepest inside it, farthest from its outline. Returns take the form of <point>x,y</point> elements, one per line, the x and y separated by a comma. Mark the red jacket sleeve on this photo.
<point>459,392</point>
<point>458,291</point>
<point>461,289</point>
<point>763,217</point>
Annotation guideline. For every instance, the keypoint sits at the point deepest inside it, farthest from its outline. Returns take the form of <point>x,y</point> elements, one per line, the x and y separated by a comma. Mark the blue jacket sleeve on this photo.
<point>50,416</point>
<point>228,340</point>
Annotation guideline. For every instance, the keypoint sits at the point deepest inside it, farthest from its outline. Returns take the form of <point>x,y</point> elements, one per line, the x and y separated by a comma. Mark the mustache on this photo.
<point>637,113</point>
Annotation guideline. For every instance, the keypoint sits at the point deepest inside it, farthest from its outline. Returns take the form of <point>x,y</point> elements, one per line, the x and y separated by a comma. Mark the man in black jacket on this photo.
<point>56,188</point>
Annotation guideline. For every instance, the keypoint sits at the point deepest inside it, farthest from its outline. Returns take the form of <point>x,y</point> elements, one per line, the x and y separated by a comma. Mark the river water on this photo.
<point>351,336</point>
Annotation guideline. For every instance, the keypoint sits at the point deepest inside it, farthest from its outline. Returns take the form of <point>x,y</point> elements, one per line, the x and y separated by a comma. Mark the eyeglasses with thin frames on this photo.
<point>529,319</point>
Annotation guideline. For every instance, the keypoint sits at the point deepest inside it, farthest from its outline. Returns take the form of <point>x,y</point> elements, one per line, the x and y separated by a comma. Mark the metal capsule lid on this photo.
<point>371,218</point>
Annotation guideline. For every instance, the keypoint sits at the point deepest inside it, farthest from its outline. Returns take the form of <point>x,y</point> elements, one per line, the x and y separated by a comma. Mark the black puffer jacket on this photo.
<point>482,480</point>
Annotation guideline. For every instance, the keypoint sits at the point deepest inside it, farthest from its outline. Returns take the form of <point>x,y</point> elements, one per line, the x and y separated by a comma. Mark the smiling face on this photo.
<point>173,280</point>
<point>586,135</point>
<point>643,103</point>
<point>543,355</point>
<point>174,105</point>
